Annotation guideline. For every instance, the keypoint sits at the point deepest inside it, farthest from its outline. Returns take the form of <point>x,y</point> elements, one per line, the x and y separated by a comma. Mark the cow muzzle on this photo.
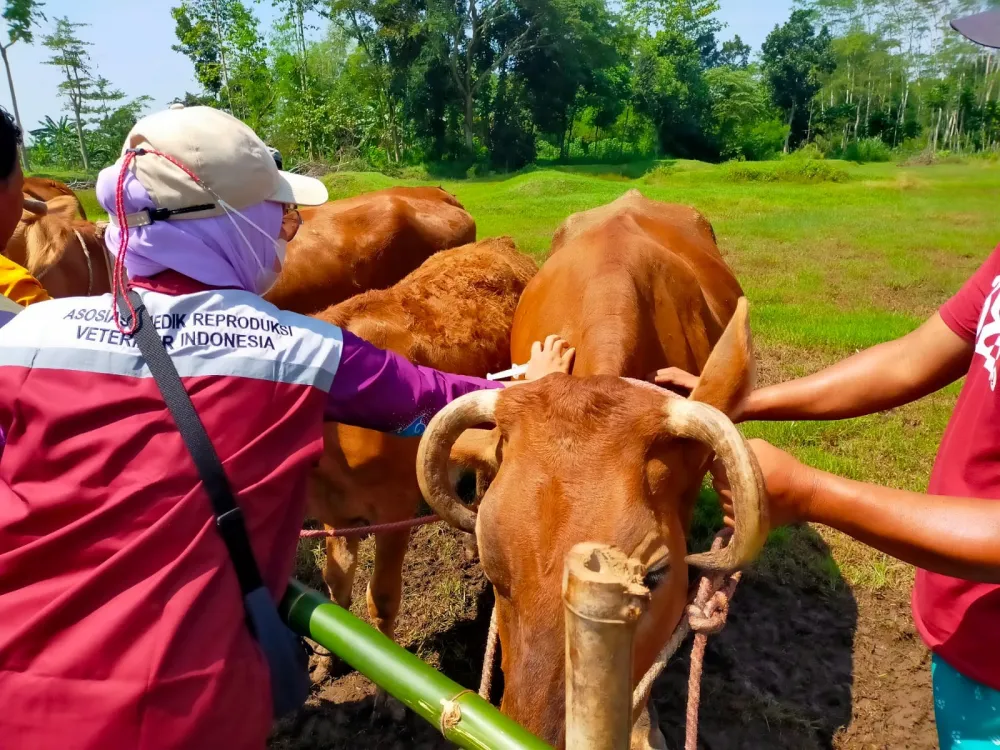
<point>682,418</point>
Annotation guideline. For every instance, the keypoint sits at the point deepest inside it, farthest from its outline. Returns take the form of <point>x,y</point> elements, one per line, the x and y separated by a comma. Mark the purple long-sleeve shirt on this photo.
<point>373,388</point>
<point>383,391</point>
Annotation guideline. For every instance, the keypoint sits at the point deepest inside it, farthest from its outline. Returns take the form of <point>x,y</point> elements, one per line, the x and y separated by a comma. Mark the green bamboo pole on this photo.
<point>420,687</point>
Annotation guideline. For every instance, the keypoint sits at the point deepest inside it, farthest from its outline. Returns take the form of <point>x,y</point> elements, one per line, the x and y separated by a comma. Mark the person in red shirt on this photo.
<point>952,533</point>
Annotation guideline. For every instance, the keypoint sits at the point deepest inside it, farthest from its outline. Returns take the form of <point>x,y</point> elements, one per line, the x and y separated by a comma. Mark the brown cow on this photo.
<point>635,286</point>
<point>44,189</point>
<point>454,313</point>
<point>367,242</point>
<point>66,254</point>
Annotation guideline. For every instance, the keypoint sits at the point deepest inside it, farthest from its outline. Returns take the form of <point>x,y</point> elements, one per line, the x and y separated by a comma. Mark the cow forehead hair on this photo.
<point>563,404</point>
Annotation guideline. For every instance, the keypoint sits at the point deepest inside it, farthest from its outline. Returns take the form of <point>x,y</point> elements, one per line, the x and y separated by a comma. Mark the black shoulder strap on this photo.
<point>228,516</point>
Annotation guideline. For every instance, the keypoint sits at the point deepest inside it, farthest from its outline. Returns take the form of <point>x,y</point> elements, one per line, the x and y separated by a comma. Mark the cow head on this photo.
<point>599,459</point>
<point>52,243</point>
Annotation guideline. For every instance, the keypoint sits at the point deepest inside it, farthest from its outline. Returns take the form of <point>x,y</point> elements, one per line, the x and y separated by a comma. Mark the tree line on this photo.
<point>493,85</point>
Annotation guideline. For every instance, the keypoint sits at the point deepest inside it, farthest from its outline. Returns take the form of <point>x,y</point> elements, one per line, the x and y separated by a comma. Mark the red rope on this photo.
<point>119,279</point>
<point>380,528</point>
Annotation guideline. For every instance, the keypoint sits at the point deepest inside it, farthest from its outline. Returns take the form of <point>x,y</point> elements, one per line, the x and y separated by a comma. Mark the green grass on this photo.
<point>91,206</point>
<point>829,267</point>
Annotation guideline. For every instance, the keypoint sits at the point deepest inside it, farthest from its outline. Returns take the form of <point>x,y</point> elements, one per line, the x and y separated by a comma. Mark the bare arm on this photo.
<point>885,376</point>
<point>956,536</point>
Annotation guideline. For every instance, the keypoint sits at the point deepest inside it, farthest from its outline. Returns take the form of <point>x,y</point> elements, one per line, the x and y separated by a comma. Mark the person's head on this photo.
<point>11,178</point>
<point>202,195</point>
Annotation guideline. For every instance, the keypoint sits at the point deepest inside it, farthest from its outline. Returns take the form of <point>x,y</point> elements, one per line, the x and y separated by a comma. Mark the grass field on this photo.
<point>829,268</point>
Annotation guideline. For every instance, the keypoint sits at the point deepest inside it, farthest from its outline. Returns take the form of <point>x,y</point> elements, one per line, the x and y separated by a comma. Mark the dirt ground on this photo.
<point>805,661</point>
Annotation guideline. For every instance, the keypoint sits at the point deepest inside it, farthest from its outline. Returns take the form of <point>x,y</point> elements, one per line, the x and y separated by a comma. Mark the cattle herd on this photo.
<point>598,455</point>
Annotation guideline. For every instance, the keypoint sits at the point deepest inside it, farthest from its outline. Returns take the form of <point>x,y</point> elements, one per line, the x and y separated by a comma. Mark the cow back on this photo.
<point>66,254</point>
<point>367,242</point>
<point>454,313</point>
<point>635,285</point>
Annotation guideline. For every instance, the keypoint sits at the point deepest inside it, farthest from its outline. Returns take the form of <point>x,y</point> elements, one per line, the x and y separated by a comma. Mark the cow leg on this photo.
<point>341,564</point>
<point>386,585</point>
<point>385,590</point>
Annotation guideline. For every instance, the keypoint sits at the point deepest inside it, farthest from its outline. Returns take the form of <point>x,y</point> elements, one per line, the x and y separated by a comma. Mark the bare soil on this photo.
<point>805,661</point>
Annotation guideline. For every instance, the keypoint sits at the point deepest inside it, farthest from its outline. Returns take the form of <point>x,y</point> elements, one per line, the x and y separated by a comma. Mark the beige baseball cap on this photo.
<point>225,155</point>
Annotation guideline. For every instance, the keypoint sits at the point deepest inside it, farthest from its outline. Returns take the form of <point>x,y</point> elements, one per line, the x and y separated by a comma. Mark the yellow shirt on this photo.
<point>19,285</point>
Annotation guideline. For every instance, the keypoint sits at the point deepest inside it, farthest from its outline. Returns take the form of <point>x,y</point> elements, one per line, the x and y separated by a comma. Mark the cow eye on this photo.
<point>656,574</point>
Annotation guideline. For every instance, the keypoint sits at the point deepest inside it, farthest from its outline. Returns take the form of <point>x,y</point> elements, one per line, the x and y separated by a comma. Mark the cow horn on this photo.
<point>708,425</point>
<point>39,208</point>
<point>435,448</point>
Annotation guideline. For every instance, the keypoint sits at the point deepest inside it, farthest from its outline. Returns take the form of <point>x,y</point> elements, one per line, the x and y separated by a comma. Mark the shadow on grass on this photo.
<point>781,672</point>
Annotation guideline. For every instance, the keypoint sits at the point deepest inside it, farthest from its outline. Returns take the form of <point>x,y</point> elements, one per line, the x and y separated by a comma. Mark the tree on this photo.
<point>746,125</point>
<point>795,58</point>
<point>113,124</point>
<point>676,43</point>
<point>735,53</point>
<point>480,36</point>
<point>671,90</point>
<point>390,34</point>
<point>21,16</point>
<point>574,71</point>
<point>101,96</point>
<point>295,20</point>
<point>69,53</point>
<point>222,39</point>
<point>53,142</point>
<point>199,42</point>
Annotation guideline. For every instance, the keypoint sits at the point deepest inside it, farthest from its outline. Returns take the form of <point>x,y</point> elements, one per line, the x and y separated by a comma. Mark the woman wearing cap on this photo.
<point>121,620</point>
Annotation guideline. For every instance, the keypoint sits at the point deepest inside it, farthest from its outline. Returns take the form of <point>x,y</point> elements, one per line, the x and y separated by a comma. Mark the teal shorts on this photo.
<point>967,712</point>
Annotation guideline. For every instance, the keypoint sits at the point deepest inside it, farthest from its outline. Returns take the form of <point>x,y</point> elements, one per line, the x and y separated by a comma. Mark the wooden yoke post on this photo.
<point>603,596</point>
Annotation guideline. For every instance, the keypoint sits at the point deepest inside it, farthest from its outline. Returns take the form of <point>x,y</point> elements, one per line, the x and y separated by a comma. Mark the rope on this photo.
<point>90,266</point>
<point>489,659</point>
<point>120,277</point>
<point>86,255</point>
<point>379,528</point>
<point>706,616</point>
<point>451,713</point>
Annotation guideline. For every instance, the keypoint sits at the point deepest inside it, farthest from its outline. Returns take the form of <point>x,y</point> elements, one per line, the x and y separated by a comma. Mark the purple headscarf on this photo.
<point>209,250</point>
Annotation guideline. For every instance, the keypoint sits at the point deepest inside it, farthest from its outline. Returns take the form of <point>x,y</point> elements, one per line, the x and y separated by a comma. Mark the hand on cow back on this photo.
<point>552,355</point>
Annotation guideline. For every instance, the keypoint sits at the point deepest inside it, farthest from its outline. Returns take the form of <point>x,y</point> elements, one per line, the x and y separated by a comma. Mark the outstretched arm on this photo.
<point>955,536</point>
<point>381,390</point>
<point>885,376</point>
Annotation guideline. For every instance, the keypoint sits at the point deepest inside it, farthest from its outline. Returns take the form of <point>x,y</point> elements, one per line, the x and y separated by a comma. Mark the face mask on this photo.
<point>265,276</point>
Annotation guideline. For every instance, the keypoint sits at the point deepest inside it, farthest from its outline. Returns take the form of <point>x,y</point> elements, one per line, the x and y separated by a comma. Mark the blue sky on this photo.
<point>132,39</point>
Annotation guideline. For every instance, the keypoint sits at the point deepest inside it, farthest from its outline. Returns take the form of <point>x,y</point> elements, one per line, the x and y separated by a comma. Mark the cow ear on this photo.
<point>63,206</point>
<point>728,376</point>
<point>477,449</point>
